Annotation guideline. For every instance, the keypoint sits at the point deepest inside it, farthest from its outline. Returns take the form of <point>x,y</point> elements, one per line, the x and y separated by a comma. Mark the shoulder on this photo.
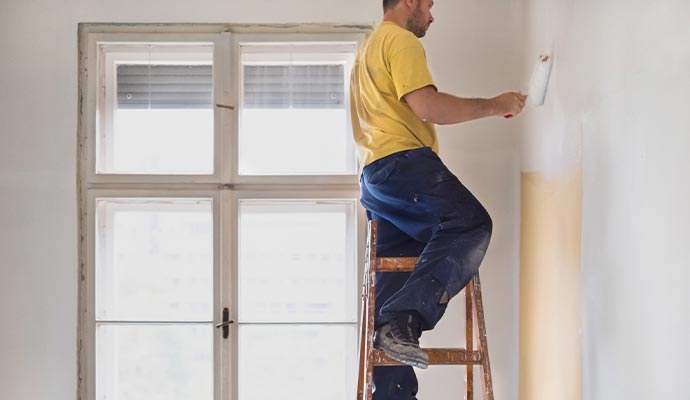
<point>397,38</point>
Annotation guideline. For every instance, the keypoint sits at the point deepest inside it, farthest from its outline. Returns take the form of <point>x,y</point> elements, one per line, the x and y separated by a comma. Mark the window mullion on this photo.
<point>225,105</point>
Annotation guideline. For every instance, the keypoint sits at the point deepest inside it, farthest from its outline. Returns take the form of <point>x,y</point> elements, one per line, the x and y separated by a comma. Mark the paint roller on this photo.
<point>538,82</point>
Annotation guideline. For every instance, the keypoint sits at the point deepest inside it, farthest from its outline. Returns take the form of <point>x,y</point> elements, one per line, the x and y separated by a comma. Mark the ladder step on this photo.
<point>436,357</point>
<point>395,264</point>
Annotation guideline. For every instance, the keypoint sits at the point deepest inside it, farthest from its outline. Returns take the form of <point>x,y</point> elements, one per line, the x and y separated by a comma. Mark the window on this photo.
<point>155,109</point>
<point>217,172</point>
<point>294,96</point>
<point>154,298</point>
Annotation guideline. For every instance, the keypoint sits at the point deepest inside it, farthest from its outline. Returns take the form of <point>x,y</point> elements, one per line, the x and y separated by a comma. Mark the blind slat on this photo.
<point>164,86</point>
<point>294,86</point>
<point>265,86</point>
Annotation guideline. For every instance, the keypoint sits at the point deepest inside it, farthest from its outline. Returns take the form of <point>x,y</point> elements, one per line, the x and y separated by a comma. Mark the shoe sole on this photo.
<point>403,358</point>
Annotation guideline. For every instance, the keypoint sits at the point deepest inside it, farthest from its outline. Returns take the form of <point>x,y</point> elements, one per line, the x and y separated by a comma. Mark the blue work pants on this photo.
<point>422,211</point>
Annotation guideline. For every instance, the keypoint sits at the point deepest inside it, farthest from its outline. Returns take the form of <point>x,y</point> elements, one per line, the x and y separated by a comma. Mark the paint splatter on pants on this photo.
<point>422,211</point>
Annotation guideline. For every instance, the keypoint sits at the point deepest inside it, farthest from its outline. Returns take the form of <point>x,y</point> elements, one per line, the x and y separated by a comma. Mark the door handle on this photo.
<point>226,323</point>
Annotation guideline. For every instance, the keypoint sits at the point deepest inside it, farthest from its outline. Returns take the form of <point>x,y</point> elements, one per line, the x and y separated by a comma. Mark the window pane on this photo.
<point>171,141</point>
<point>158,110</point>
<point>294,116</point>
<point>146,362</point>
<point>297,262</point>
<point>300,362</point>
<point>154,259</point>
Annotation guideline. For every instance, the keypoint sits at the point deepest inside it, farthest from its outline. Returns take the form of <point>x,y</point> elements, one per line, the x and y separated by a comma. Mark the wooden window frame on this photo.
<point>225,187</point>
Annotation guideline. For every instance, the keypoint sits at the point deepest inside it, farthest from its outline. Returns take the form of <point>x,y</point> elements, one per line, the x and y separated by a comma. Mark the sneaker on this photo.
<point>399,339</point>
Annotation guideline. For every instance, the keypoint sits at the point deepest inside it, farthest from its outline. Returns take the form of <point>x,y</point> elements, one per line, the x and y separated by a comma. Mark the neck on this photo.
<point>396,17</point>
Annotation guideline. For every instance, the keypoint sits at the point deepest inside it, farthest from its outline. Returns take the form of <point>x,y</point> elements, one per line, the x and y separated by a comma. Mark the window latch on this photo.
<point>225,106</point>
<point>226,323</point>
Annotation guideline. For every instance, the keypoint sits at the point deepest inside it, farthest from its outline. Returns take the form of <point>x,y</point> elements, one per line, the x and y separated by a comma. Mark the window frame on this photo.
<point>282,38</point>
<point>231,224</point>
<point>107,94</point>
<point>226,92</point>
<point>88,273</point>
<point>93,114</point>
<point>225,186</point>
<point>262,45</point>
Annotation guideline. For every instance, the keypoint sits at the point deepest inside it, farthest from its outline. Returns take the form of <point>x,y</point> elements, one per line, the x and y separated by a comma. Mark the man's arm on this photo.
<point>443,109</point>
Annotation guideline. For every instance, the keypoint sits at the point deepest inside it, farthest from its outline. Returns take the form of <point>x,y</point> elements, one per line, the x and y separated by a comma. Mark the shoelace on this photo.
<point>415,327</point>
<point>408,334</point>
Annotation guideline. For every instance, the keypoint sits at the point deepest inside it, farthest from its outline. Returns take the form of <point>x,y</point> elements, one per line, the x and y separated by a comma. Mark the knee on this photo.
<point>482,220</point>
<point>485,231</point>
<point>473,220</point>
<point>487,223</point>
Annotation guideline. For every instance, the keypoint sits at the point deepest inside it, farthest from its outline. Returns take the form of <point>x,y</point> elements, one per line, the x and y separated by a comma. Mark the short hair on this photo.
<point>388,4</point>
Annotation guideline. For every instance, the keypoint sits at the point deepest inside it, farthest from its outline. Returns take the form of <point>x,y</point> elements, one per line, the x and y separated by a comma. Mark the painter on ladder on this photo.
<point>421,208</point>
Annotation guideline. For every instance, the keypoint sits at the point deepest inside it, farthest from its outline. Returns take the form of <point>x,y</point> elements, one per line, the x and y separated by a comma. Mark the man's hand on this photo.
<point>509,104</point>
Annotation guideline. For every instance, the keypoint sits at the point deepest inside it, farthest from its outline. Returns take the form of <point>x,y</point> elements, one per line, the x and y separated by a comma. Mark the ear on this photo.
<point>411,4</point>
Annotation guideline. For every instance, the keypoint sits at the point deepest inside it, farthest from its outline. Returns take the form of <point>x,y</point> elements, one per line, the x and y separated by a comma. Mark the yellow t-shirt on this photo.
<point>391,64</point>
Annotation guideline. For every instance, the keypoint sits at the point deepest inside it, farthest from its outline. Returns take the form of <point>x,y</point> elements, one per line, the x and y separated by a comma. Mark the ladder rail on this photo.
<point>469,342</point>
<point>480,331</point>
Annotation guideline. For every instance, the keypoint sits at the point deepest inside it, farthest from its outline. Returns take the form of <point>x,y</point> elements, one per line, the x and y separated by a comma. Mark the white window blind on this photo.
<point>164,86</point>
<point>294,86</point>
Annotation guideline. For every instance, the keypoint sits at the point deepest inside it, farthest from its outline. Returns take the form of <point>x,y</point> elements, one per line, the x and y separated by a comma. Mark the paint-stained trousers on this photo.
<point>422,211</point>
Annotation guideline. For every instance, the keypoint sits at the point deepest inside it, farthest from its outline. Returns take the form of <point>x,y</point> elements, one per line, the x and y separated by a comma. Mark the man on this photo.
<point>422,209</point>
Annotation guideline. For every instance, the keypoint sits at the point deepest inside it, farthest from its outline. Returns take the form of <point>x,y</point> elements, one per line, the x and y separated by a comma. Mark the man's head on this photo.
<point>388,4</point>
<point>415,13</point>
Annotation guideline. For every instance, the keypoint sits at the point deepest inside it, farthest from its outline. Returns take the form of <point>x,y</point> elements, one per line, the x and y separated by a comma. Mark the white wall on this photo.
<point>471,51</point>
<point>618,104</point>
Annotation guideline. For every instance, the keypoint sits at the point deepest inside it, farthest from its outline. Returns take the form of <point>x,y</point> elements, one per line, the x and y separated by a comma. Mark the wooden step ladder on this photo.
<point>369,357</point>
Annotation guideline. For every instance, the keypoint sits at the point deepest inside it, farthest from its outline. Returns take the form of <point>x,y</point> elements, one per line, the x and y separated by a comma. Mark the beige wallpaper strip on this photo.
<point>550,316</point>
